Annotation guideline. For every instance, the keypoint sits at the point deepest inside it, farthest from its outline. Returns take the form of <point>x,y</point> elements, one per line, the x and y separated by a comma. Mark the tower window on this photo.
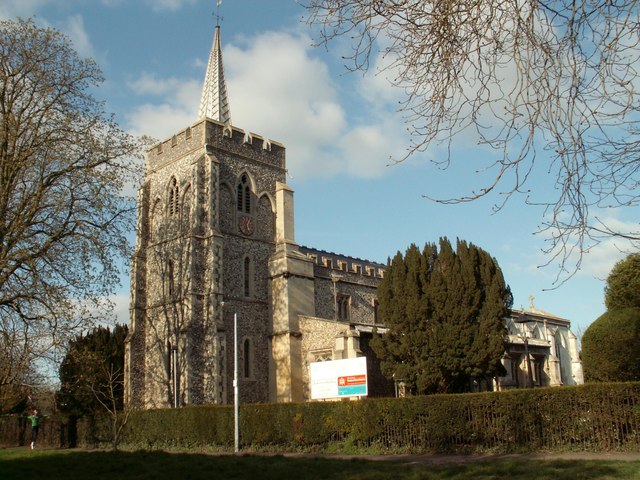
<point>169,279</point>
<point>174,195</point>
<point>246,360</point>
<point>343,305</point>
<point>247,277</point>
<point>244,195</point>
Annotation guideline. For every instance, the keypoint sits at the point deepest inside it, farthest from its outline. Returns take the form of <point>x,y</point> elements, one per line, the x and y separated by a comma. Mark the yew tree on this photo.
<point>64,215</point>
<point>623,284</point>
<point>610,350</point>
<point>92,378</point>
<point>86,380</point>
<point>444,310</point>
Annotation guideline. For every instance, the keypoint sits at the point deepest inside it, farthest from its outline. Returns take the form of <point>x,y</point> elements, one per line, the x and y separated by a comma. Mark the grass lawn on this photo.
<point>24,464</point>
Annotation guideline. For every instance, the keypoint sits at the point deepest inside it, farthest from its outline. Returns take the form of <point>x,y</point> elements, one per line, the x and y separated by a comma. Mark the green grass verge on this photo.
<point>21,464</point>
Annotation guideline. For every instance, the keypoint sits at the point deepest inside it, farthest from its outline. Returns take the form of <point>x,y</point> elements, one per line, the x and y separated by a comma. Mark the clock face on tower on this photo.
<point>245,224</point>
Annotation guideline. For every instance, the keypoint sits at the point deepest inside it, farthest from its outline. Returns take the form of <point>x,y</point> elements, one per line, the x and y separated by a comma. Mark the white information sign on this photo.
<point>339,378</point>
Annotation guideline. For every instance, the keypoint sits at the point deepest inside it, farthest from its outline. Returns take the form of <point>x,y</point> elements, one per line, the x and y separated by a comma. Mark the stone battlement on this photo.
<point>212,135</point>
<point>342,263</point>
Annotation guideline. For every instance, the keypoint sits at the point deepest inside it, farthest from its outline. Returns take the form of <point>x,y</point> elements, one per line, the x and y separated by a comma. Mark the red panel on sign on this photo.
<point>352,380</point>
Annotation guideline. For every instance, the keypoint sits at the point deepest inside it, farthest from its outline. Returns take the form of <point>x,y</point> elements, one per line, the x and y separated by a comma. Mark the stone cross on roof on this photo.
<point>214,103</point>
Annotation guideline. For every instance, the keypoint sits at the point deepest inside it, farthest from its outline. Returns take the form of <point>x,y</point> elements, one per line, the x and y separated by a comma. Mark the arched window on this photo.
<point>186,209</point>
<point>247,276</point>
<point>244,195</point>
<point>174,196</point>
<point>246,358</point>
<point>559,341</point>
<point>343,306</point>
<point>169,280</point>
<point>156,220</point>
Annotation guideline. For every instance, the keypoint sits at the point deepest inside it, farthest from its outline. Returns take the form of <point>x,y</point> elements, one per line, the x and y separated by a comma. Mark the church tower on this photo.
<point>207,232</point>
<point>215,240</point>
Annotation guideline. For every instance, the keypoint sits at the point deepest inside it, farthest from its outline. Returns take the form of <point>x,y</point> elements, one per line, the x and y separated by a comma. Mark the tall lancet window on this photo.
<point>174,195</point>
<point>247,276</point>
<point>244,195</point>
<point>169,280</point>
<point>247,355</point>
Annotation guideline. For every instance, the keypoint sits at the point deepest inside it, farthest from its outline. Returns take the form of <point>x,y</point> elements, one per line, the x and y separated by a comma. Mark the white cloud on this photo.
<point>377,86</point>
<point>170,5</point>
<point>277,89</point>
<point>368,149</point>
<point>27,8</point>
<point>20,8</point>
<point>599,255</point>
<point>111,310</point>
<point>74,29</point>
<point>159,121</point>
<point>150,84</point>
<point>121,307</point>
<point>600,259</point>
<point>177,109</point>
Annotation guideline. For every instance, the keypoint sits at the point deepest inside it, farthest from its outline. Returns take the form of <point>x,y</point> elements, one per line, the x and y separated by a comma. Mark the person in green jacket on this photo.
<point>35,426</point>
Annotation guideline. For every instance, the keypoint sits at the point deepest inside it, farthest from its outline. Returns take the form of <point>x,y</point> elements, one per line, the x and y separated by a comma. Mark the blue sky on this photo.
<point>340,130</point>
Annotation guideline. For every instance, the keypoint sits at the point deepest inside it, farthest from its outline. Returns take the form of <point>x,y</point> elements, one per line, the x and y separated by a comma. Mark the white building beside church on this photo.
<point>541,351</point>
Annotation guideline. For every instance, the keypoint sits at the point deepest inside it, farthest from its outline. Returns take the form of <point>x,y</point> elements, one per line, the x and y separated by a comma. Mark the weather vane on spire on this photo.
<point>218,17</point>
<point>214,103</point>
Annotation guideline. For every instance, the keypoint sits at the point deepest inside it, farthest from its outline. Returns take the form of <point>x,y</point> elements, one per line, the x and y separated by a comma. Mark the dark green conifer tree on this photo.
<point>445,313</point>
<point>87,370</point>
<point>623,284</point>
<point>610,350</point>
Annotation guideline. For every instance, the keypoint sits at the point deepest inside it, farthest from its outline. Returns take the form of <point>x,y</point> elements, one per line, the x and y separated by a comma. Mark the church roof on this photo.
<point>338,257</point>
<point>535,314</point>
<point>214,103</point>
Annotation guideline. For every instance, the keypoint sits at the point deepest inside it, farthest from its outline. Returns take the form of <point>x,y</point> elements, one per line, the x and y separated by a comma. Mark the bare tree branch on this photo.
<point>64,163</point>
<point>552,87</point>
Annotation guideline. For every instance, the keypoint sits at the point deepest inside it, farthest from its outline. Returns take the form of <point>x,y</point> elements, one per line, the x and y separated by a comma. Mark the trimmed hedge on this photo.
<point>600,417</point>
<point>595,417</point>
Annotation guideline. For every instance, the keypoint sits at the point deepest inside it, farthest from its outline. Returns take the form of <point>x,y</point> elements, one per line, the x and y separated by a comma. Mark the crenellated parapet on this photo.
<point>213,136</point>
<point>344,264</point>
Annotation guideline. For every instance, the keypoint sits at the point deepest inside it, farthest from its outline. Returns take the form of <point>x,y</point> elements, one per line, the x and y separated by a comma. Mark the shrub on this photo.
<point>610,350</point>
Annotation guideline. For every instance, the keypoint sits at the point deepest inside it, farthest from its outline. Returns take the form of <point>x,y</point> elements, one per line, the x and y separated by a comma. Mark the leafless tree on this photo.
<point>107,394</point>
<point>14,363</point>
<point>93,384</point>
<point>171,253</point>
<point>551,86</point>
<point>64,219</point>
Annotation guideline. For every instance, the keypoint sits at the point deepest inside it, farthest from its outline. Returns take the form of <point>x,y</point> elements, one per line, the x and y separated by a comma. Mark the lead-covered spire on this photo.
<point>214,102</point>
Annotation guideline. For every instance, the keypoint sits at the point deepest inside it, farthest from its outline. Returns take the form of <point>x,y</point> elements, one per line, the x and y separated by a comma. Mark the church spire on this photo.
<point>214,103</point>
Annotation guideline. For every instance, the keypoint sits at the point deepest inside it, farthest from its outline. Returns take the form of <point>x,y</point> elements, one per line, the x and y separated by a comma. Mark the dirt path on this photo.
<point>449,460</point>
